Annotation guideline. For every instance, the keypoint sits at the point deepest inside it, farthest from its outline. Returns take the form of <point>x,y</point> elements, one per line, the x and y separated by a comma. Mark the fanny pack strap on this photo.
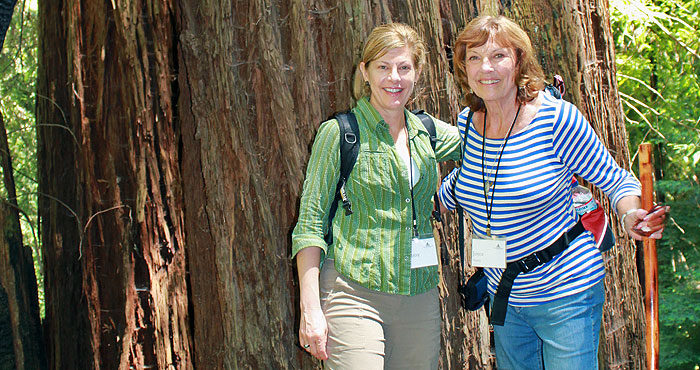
<point>525,264</point>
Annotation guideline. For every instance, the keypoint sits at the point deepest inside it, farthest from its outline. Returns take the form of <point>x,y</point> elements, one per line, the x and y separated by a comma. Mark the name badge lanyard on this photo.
<point>488,184</point>
<point>410,174</point>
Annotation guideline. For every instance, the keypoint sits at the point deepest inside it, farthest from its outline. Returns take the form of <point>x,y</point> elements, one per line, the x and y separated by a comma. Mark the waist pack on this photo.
<point>474,293</point>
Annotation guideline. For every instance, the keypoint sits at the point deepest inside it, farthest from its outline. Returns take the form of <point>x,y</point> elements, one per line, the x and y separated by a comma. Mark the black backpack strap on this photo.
<point>429,125</point>
<point>349,149</point>
<point>460,221</point>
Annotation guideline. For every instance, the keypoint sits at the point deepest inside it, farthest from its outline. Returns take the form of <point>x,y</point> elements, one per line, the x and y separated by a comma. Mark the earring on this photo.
<point>367,83</point>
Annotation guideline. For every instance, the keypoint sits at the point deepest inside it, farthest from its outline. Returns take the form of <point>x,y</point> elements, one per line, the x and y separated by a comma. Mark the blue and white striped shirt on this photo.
<point>532,204</point>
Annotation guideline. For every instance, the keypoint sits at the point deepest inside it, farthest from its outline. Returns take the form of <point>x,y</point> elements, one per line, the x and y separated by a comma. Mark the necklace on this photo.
<point>487,182</point>
<point>488,185</point>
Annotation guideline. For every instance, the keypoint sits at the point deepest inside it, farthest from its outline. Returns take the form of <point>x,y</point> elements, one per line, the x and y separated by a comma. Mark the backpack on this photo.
<point>349,149</point>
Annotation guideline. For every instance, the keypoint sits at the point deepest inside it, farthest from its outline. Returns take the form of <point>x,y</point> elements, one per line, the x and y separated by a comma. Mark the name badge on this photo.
<point>489,252</point>
<point>423,252</point>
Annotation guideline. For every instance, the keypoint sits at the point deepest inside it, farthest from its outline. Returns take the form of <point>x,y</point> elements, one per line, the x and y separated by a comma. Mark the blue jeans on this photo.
<point>558,335</point>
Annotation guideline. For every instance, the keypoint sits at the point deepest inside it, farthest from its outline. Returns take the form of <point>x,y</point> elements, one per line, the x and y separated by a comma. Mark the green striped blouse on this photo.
<point>372,246</point>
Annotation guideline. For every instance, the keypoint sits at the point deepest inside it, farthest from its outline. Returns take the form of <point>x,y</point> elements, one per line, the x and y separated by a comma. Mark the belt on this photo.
<point>526,264</point>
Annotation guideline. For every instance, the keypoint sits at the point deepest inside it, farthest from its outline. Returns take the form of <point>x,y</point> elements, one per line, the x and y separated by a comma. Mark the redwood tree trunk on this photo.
<point>21,346</point>
<point>179,136</point>
<point>249,115</point>
<point>111,208</point>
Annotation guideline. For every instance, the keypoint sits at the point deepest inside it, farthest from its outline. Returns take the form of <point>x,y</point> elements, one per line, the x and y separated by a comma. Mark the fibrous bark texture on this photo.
<point>21,346</point>
<point>111,203</point>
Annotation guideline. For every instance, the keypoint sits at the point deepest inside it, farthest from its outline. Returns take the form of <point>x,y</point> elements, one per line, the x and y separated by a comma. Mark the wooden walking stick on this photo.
<point>651,272</point>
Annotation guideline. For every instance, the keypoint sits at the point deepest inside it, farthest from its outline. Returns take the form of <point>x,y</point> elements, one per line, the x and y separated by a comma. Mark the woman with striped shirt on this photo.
<point>521,148</point>
<point>379,305</point>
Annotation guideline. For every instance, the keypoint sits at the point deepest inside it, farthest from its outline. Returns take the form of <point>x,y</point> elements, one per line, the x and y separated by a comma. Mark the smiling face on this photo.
<point>391,78</point>
<point>491,70</point>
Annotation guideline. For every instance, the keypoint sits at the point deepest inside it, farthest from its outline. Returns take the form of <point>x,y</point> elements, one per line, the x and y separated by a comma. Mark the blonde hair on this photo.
<point>382,39</point>
<point>529,77</point>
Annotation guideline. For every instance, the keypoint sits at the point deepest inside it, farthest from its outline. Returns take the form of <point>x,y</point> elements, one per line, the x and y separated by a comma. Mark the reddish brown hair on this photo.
<point>528,77</point>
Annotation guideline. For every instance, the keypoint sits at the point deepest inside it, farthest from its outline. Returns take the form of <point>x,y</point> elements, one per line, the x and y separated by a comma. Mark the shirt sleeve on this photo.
<point>448,146</point>
<point>446,193</point>
<point>322,175</point>
<point>578,146</point>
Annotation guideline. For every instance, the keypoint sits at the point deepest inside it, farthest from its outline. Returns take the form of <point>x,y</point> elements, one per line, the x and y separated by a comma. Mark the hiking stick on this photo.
<point>651,273</point>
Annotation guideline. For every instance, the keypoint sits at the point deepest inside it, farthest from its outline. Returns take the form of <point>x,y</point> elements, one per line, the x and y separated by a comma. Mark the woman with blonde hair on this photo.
<point>378,306</point>
<point>522,147</point>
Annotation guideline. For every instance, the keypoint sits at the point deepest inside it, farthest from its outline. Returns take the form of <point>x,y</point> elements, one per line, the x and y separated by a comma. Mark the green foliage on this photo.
<point>658,61</point>
<point>679,278</point>
<point>18,73</point>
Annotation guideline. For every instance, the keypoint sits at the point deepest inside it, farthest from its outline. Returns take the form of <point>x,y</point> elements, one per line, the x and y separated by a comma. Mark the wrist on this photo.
<point>622,218</point>
<point>307,308</point>
<point>309,302</point>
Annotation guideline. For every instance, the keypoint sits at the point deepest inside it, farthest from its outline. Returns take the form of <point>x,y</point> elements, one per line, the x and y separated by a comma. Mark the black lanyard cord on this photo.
<point>410,174</point>
<point>489,207</point>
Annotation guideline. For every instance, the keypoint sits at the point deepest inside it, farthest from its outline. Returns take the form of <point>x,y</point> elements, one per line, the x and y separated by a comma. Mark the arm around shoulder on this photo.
<point>448,141</point>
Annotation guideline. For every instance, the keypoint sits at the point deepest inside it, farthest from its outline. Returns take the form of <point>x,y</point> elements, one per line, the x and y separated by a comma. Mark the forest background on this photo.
<point>658,70</point>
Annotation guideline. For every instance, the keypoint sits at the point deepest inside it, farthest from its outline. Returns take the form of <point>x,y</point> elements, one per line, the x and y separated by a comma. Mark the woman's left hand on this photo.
<point>640,223</point>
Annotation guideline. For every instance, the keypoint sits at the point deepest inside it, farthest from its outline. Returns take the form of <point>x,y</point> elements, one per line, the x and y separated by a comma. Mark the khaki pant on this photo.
<point>374,330</point>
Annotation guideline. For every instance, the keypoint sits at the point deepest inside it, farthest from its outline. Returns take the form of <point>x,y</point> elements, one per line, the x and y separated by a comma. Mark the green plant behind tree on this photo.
<point>18,68</point>
<point>658,62</point>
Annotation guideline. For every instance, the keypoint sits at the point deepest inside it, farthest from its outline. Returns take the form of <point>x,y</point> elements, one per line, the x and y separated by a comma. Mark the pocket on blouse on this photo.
<point>373,172</point>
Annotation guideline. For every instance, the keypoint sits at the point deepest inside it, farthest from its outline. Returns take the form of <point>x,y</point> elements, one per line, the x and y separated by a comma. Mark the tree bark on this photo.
<point>290,65</point>
<point>172,158</point>
<point>22,345</point>
<point>111,208</point>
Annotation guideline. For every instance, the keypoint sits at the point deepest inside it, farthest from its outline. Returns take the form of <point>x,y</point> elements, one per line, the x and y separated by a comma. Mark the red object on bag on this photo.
<point>596,221</point>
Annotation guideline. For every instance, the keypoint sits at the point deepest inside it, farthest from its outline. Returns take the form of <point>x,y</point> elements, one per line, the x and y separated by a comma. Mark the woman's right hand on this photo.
<point>642,223</point>
<point>313,331</point>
